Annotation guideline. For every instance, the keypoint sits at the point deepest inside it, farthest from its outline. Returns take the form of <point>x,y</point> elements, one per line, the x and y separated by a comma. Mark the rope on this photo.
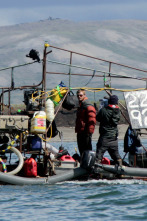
<point>56,91</point>
<point>46,140</point>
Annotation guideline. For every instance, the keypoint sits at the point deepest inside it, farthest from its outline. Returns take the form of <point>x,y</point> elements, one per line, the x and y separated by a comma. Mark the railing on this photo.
<point>110,63</point>
<point>96,73</point>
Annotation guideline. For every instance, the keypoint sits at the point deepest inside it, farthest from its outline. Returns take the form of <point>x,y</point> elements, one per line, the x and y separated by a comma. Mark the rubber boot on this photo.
<point>119,163</point>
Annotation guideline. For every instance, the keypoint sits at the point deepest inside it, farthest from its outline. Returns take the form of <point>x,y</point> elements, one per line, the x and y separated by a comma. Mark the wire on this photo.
<point>90,78</point>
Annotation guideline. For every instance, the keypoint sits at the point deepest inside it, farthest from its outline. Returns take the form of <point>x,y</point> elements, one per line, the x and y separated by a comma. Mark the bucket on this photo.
<point>49,109</point>
<point>38,122</point>
<point>57,94</point>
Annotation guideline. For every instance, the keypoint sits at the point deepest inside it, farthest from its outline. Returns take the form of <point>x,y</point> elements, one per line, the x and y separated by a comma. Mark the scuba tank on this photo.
<point>49,109</point>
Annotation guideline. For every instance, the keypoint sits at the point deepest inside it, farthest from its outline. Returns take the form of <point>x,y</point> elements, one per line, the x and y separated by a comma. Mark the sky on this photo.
<point>23,11</point>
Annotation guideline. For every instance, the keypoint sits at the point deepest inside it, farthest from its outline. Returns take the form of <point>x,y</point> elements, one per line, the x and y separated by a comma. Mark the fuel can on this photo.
<point>30,168</point>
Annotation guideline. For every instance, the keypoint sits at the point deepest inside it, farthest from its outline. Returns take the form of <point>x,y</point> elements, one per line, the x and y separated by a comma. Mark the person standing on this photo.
<point>109,117</point>
<point>85,122</point>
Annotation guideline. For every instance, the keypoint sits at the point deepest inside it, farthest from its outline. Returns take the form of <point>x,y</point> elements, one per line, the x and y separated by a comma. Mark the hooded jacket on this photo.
<point>108,117</point>
<point>86,118</point>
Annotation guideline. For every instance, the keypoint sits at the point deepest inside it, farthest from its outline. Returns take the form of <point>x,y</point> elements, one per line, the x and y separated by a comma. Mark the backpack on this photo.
<point>71,101</point>
<point>131,141</point>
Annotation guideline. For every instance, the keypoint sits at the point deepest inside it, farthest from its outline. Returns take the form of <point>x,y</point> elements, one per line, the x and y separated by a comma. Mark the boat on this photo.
<point>27,133</point>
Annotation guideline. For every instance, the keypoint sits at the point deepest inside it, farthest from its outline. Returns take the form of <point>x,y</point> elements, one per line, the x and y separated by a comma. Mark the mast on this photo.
<point>45,53</point>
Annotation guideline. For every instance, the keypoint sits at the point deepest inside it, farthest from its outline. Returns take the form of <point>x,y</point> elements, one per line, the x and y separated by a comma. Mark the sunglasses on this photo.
<point>80,95</point>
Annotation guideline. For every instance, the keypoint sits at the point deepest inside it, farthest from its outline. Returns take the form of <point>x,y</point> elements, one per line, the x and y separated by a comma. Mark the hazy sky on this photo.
<point>22,11</point>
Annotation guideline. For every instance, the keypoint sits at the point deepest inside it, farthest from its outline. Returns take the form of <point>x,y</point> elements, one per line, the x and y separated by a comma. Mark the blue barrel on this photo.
<point>36,143</point>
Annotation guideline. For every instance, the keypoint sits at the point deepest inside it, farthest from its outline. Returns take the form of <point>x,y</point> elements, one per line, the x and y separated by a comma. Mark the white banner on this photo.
<point>136,102</point>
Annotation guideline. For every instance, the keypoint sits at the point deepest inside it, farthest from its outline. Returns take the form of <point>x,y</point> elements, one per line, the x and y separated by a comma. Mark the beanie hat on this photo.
<point>113,99</point>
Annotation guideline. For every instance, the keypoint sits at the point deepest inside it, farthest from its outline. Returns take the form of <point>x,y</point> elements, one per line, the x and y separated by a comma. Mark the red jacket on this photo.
<point>86,118</point>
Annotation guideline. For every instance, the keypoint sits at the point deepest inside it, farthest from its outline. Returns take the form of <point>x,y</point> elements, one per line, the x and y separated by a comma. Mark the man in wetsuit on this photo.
<point>85,122</point>
<point>109,117</point>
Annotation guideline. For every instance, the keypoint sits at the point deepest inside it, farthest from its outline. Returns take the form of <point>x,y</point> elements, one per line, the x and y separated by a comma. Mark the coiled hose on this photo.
<point>21,161</point>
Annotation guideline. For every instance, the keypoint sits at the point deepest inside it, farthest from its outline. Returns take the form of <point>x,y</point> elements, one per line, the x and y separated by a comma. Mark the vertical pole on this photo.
<point>2,100</point>
<point>110,75</point>
<point>104,79</point>
<point>20,144</point>
<point>12,78</point>
<point>1,103</point>
<point>70,70</point>
<point>44,71</point>
<point>9,101</point>
<point>109,67</point>
<point>44,76</point>
<point>44,80</point>
<point>109,72</point>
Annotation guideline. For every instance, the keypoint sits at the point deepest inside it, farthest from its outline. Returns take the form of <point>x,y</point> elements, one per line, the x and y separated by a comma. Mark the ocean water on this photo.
<point>76,200</point>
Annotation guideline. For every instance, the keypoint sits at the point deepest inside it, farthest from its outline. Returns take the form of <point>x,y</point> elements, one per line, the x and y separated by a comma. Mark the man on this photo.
<point>109,117</point>
<point>85,122</point>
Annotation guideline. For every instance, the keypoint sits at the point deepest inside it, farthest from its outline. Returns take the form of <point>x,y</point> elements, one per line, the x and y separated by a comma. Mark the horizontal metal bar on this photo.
<point>89,69</point>
<point>16,66</point>
<point>137,69</point>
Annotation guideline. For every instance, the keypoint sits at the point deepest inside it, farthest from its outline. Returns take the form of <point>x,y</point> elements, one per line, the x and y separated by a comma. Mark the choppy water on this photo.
<point>76,200</point>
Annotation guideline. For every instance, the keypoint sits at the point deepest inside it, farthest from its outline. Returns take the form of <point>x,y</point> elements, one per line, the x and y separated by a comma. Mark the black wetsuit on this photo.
<point>108,141</point>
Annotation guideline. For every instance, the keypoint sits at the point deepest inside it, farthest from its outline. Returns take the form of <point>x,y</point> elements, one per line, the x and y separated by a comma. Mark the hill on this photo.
<point>118,41</point>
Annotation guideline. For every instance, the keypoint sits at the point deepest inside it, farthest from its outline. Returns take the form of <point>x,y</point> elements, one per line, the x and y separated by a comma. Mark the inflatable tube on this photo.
<point>21,161</point>
<point>124,170</point>
<point>16,180</point>
<point>71,174</point>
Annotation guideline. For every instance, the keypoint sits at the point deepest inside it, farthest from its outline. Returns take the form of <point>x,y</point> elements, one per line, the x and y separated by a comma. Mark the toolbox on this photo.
<point>13,122</point>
